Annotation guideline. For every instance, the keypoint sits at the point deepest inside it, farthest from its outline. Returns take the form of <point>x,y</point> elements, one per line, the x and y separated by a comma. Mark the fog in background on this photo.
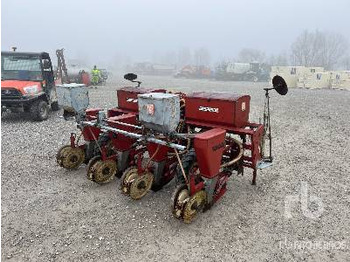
<point>113,33</point>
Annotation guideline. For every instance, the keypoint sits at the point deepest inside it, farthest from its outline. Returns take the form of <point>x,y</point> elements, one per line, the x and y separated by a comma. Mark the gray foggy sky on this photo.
<point>101,30</point>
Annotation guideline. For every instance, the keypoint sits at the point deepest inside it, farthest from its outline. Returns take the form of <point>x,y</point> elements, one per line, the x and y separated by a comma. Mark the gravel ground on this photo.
<point>50,214</point>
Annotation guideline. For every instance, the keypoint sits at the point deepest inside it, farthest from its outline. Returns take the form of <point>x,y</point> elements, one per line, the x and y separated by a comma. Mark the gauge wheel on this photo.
<point>129,175</point>
<point>178,200</point>
<point>92,161</point>
<point>141,185</point>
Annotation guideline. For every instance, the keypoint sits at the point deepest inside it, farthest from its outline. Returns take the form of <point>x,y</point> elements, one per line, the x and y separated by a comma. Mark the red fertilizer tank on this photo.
<point>217,109</point>
<point>209,147</point>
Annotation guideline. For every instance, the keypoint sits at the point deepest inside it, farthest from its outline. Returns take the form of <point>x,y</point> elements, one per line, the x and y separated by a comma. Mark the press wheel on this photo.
<point>101,171</point>
<point>194,205</point>
<point>70,157</point>
<point>141,185</point>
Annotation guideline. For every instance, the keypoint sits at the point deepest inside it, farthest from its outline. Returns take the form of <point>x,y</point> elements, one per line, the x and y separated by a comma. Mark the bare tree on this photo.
<point>202,57</point>
<point>248,55</point>
<point>318,49</point>
<point>279,60</point>
<point>306,49</point>
<point>333,49</point>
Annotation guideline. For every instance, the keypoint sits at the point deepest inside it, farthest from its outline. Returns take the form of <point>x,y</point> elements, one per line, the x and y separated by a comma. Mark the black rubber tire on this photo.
<point>39,110</point>
<point>26,109</point>
<point>55,106</point>
<point>157,187</point>
<point>119,173</point>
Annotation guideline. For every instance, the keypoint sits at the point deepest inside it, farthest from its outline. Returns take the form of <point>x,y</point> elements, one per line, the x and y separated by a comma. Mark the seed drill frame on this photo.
<point>199,138</point>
